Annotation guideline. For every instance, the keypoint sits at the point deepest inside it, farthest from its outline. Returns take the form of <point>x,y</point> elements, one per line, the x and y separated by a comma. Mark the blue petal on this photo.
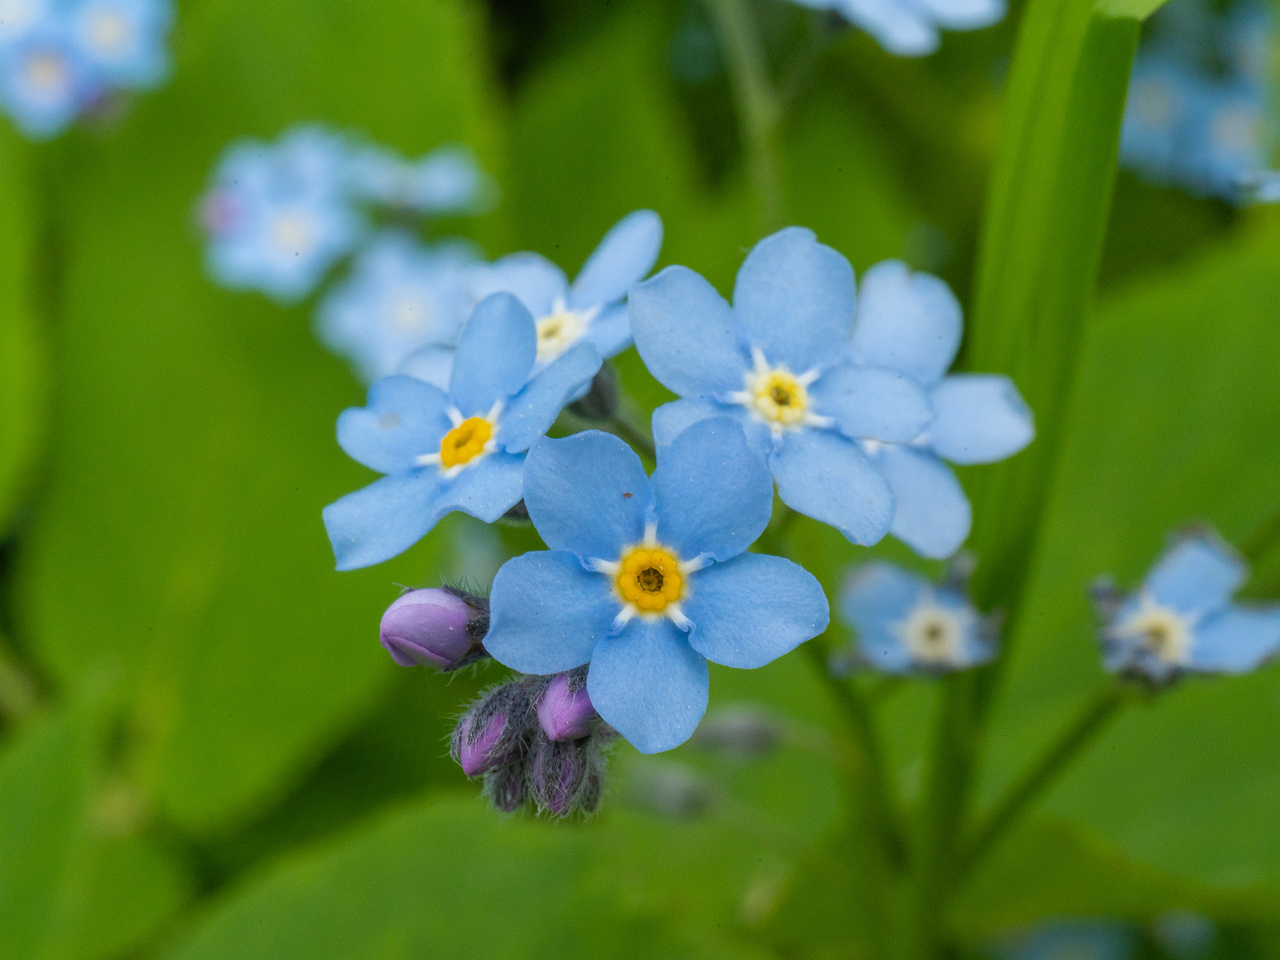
<point>753,609</point>
<point>610,331</point>
<point>1235,640</point>
<point>530,277</point>
<point>965,14</point>
<point>827,477</point>
<point>1196,575</point>
<point>495,354</point>
<point>933,515</point>
<point>485,490</point>
<point>900,28</point>
<point>403,419</point>
<point>712,494</point>
<point>626,254</point>
<point>980,418</point>
<point>432,364</point>
<point>796,297</point>
<point>384,519</point>
<point>876,600</point>
<point>546,613</point>
<point>687,335</point>
<point>872,402</point>
<point>649,684</point>
<point>532,411</point>
<point>906,321</point>
<point>672,419</point>
<point>587,493</point>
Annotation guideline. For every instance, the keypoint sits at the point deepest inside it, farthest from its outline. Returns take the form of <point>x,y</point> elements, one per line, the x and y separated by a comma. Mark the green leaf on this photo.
<point>443,879</point>
<point>1176,390</point>
<point>22,366</point>
<point>76,880</point>
<point>180,543</point>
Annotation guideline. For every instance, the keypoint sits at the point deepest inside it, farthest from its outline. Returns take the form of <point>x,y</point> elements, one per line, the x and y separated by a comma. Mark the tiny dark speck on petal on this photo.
<point>627,496</point>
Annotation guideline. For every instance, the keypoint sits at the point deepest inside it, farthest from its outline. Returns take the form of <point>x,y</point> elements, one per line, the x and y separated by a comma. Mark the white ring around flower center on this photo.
<point>109,32</point>
<point>778,397</point>
<point>934,634</point>
<point>561,329</point>
<point>1160,630</point>
<point>292,231</point>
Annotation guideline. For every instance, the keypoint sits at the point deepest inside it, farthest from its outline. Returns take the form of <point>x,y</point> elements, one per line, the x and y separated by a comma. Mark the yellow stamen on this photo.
<point>465,442</point>
<point>780,398</point>
<point>649,579</point>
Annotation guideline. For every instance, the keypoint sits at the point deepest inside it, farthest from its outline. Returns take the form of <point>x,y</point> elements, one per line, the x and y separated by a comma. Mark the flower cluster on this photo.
<point>912,28</point>
<point>1197,115</point>
<point>61,58</point>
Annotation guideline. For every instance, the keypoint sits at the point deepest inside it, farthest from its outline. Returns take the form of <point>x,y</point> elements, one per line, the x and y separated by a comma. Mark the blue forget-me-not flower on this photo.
<point>646,578</point>
<point>911,28</point>
<point>59,59</point>
<point>278,215</point>
<point>851,419</point>
<point>1182,618</point>
<point>448,180</point>
<point>463,450</point>
<point>400,297</point>
<point>905,623</point>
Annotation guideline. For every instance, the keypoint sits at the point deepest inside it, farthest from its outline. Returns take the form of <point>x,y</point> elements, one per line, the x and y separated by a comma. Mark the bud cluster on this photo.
<point>536,738</point>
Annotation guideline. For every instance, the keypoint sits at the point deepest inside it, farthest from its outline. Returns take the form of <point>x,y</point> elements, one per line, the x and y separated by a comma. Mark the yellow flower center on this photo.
<point>559,330</point>
<point>649,579</point>
<point>108,31</point>
<point>933,635</point>
<point>47,72</point>
<point>465,442</point>
<point>291,231</point>
<point>1163,632</point>
<point>779,397</point>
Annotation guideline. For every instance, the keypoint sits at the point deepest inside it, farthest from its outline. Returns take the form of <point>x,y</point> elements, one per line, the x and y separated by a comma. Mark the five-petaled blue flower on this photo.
<point>400,297</point>
<point>460,451</point>
<point>848,416</point>
<point>279,215</point>
<point>910,28</point>
<point>1182,618</point>
<point>905,623</point>
<point>647,578</point>
<point>448,180</point>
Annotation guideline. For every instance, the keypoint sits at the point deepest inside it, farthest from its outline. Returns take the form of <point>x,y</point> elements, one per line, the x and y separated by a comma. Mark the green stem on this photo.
<point>629,432</point>
<point>757,104</point>
<point>1041,775</point>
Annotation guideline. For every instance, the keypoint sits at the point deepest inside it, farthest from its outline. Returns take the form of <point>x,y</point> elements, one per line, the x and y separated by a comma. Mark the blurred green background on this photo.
<point>204,752</point>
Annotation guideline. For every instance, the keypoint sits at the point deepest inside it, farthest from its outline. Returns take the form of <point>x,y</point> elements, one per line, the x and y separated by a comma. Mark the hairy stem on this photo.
<point>757,104</point>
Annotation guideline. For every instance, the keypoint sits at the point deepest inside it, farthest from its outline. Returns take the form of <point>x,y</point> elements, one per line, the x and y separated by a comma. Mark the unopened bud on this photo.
<point>556,775</point>
<point>480,750</point>
<point>565,711</point>
<point>741,732</point>
<point>671,789</point>
<point>506,788</point>
<point>433,628</point>
<point>600,402</point>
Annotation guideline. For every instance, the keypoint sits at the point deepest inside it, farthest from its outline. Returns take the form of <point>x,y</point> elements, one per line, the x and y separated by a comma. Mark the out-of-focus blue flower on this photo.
<point>1182,619</point>
<point>848,426</point>
<point>44,82</point>
<point>278,216</point>
<point>447,180</point>
<point>1233,139</point>
<point>1248,32</point>
<point>400,297</point>
<point>1074,940</point>
<point>1163,97</point>
<point>19,18</point>
<point>444,452</point>
<point>911,28</point>
<point>647,578</point>
<point>905,623</point>
<point>123,40</point>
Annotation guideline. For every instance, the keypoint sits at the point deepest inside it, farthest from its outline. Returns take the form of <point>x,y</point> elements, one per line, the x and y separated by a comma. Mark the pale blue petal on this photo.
<point>712,494</point>
<point>433,364</point>
<point>625,255</point>
<point>546,613</point>
<point>796,297</point>
<point>587,493</point>
<point>826,476</point>
<point>906,321</point>
<point>487,489</point>
<point>384,519</point>
<point>753,609</point>
<point>979,418</point>
<point>495,354</point>
<point>933,515</point>
<point>533,279</point>
<point>876,600</point>
<point>649,684</point>
<point>532,411</point>
<point>1196,575</point>
<point>1235,640</point>
<point>872,402</point>
<point>964,14</point>
<point>898,26</point>
<point>610,331</point>
<point>672,419</point>
<point>687,335</point>
<point>403,419</point>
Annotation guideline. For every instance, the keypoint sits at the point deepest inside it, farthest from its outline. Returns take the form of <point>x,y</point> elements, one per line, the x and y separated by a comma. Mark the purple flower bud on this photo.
<point>566,713</point>
<point>485,750</point>
<point>428,627</point>
<point>556,776</point>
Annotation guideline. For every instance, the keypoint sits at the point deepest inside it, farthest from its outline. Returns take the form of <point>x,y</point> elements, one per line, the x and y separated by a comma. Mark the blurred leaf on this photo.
<point>1130,9</point>
<point>180,540</point>
<point>75,882</point>
<point>1171,423</point>
<point>443,879</point>
<point>22,368</point>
